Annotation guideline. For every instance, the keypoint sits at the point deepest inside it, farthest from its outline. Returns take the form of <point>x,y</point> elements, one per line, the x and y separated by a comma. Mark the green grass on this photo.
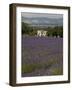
<point>57,71</point>
<point>28,68</point>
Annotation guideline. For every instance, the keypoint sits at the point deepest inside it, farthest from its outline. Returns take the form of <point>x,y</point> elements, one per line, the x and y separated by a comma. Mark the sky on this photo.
<point>42,19</point>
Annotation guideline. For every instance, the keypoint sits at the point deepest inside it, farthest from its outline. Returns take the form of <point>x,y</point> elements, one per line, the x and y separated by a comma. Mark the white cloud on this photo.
<point>37,15</point>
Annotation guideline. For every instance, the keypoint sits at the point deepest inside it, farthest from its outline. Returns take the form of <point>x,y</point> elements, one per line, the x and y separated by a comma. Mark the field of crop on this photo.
<point>42,56</point>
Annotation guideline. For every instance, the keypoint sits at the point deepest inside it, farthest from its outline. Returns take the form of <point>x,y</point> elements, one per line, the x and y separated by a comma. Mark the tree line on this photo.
<point>51,31</point>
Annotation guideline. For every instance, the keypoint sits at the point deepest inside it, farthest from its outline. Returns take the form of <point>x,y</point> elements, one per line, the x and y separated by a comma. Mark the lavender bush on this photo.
<point>42,56</point>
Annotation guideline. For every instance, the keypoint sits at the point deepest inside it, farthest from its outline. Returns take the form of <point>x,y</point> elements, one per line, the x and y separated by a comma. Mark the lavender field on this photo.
<point>42,56</point>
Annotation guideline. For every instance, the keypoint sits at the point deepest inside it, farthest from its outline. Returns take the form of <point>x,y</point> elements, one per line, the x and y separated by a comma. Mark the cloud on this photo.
<point>38,15</point>
<point>42,18</point>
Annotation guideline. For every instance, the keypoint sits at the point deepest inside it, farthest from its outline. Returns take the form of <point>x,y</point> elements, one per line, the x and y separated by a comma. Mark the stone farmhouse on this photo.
<point>41,33</point>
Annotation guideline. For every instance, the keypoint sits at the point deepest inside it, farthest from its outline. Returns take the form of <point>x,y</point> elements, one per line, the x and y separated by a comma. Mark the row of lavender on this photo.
<point>42,56</point>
